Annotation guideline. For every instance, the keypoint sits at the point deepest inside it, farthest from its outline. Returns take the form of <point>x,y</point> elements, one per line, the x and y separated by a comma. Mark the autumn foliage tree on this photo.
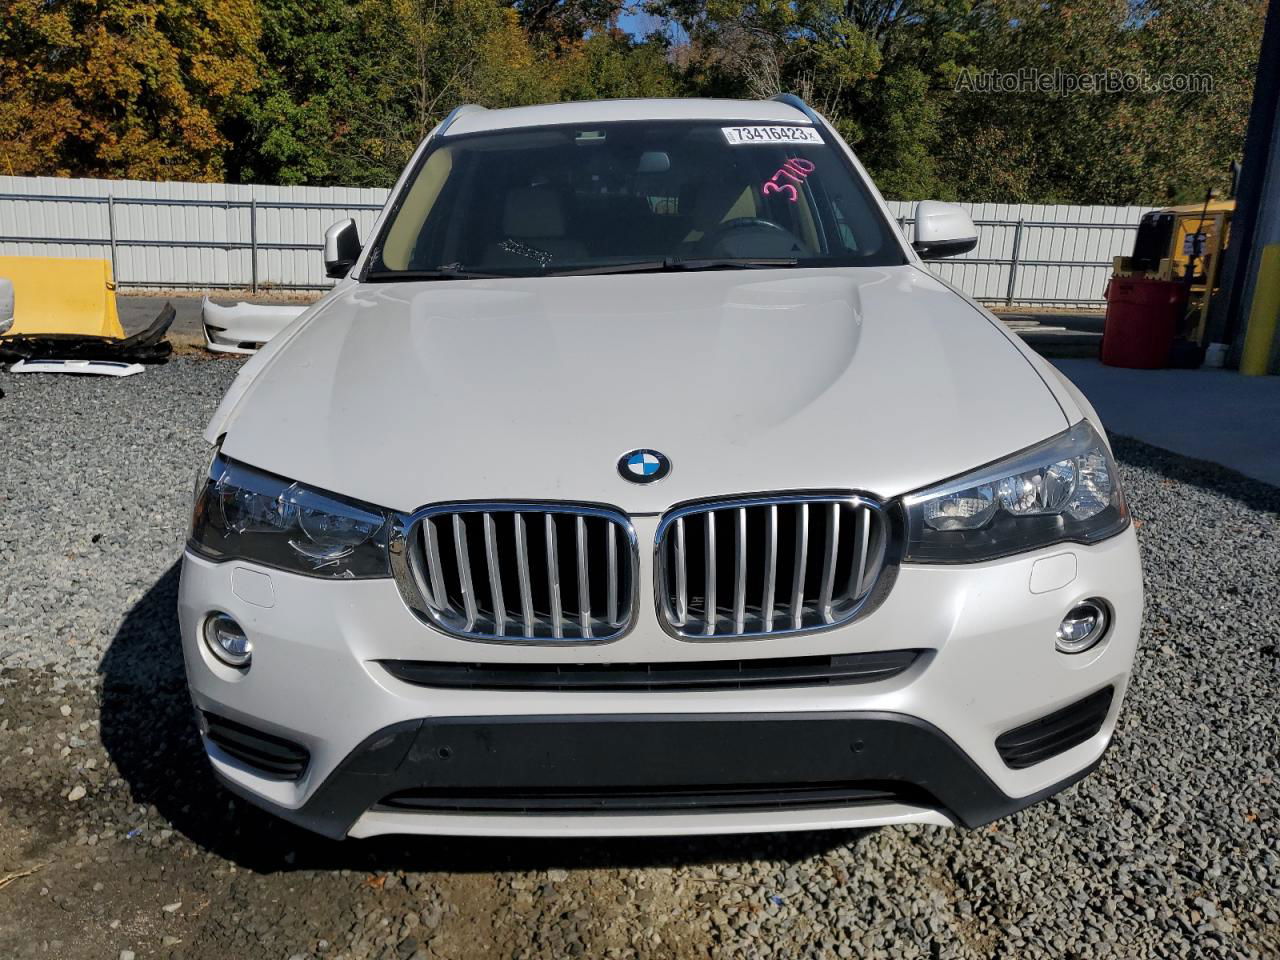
<point>341,91</point>
<point>122,88</point>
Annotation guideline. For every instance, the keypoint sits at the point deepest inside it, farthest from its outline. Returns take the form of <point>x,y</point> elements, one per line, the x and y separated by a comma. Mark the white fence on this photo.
<point>207,235</point>
<point>183,235</point>
<point>1038,254</point>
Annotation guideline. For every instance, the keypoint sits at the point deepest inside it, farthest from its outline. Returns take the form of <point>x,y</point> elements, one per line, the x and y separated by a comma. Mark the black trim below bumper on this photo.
<point>601,759</point>
<point>684,675</point>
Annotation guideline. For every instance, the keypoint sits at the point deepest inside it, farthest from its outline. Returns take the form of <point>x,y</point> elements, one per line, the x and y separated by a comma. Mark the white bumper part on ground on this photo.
<point>243,327</point>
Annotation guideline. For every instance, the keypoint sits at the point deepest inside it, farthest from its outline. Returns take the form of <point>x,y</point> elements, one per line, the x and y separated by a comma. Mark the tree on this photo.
<point>122,88</point>
<point>610,64</point>
<point>1190,144</point>
<point>284,130</point>
<point>559,23</point>
<point>419,59</point>
<point>877,70</point>
<point>1122,139</point>
<point>342,91</point>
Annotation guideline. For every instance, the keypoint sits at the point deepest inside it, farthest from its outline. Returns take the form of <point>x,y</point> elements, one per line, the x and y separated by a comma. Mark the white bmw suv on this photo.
<point>637,477</point>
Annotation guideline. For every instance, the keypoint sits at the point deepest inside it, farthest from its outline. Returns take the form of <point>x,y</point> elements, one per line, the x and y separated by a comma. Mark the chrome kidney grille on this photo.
<point>520,572</point>
<point>765,566</point>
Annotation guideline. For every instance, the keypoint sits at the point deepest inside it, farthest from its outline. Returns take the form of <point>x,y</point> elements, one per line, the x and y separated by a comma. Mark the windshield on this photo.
<point>630,196</point>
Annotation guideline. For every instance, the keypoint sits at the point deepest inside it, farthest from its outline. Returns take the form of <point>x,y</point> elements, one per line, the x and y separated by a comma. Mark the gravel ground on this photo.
<point>115,842</point>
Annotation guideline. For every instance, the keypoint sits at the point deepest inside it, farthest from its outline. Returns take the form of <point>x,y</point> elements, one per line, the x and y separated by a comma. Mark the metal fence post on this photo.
<point>253,244</point>
<point>1013,263</point>
<point>111,233</point>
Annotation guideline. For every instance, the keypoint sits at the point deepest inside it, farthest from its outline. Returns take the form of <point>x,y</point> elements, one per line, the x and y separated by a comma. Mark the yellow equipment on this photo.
<point>1265,315</point>
<point>1177,239</point>
<point>62,295</point>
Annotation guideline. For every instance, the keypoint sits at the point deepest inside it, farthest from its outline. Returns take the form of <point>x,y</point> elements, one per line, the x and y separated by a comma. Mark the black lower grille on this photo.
<point>700,675</point>
<point>270,755</point>
<point>1056,732</point>
<point>642,799</point>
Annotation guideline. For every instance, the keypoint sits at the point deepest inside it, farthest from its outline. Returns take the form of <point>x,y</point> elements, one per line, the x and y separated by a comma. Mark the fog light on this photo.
<point>1083,626</point>
<point>226,640</point>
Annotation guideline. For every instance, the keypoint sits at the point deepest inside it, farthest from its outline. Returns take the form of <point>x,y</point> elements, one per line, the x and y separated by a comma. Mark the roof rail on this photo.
<point>791,100</point>
<point>454,114</point>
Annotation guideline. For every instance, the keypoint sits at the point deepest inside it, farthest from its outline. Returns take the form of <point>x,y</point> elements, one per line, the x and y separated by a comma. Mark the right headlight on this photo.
<point>1065,489</point>
<point>245,514</point>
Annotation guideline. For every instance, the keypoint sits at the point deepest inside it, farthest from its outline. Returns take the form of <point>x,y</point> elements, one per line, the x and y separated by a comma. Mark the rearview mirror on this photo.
<point>943,230</point>
<point>341,248</point>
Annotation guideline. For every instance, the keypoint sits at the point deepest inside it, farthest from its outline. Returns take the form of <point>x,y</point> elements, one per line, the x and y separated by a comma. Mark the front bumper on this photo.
<point>528,762</point>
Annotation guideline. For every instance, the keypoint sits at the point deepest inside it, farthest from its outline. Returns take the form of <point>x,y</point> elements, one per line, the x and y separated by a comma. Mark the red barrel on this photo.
<point>1142,321</point>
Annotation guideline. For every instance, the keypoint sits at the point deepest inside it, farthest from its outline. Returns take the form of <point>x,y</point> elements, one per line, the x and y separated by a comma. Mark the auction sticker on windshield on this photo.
<point>740,135</point>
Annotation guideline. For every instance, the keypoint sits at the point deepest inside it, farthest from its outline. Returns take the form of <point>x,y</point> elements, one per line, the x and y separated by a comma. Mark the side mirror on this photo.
<point>341,248</point>
<point>943,230</point>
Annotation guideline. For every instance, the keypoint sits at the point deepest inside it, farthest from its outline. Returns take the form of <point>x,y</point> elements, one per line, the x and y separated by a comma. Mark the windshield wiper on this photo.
<point>450,271</point>
<point>455,271</point>
<point>673,264</point>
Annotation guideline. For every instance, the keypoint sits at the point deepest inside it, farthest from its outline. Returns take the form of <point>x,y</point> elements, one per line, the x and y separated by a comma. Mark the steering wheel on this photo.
<point>751,237</point>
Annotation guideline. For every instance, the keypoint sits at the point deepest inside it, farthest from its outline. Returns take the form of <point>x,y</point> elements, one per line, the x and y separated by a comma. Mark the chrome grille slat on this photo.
<point>440,597</point>
<point>739,569</point>
<point>770,567</point>
<point>553,578</point>
<point>612,550</point>
<point>795,563</point>
<point>495,576</point>
<point>418,571</point>
<point>832,521</point>
<point>531,573</point>
<point>522,562</point>
<point>584,582</point>
<point>464,571</point>
<point>861,533</point>
<point>711,612</point>
<point>682,577</point>
<point>800,562</point>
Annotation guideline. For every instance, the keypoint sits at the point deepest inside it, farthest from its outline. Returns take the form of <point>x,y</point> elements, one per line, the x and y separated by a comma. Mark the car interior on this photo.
<point>541,201</point>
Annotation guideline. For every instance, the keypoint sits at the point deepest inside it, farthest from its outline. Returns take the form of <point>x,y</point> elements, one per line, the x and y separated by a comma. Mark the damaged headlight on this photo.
<point>1065,489</point>
<point>245,514</point>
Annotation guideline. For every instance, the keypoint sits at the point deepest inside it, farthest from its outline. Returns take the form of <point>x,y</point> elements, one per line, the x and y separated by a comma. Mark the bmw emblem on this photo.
<point>643,466</point>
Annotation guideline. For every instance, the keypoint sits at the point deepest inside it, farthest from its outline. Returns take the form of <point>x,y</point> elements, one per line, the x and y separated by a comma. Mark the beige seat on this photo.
<point>533,227</point>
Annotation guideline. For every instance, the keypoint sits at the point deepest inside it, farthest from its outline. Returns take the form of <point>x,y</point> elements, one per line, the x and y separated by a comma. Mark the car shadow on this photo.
<point>148,729</point>
<point>1208,476</point>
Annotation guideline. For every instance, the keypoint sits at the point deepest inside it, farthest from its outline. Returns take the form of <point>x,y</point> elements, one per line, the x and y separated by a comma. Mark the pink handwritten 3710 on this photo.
<point>795,170</point>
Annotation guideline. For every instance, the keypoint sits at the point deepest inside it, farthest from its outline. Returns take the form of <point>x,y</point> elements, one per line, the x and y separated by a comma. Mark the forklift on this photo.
<point>1183,244</point>
<point>1169,279</point>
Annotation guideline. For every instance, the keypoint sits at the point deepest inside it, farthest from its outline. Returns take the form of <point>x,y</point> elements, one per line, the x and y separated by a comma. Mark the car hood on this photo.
<point>877,380</point>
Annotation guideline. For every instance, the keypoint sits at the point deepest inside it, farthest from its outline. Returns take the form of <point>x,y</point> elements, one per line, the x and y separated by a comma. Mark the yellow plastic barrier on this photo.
<point>1263,316</point>
<point>62,295</point>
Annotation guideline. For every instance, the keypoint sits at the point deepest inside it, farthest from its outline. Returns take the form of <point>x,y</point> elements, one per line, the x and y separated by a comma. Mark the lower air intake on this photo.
<point>269,755</point>
<point>1056,732</point>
